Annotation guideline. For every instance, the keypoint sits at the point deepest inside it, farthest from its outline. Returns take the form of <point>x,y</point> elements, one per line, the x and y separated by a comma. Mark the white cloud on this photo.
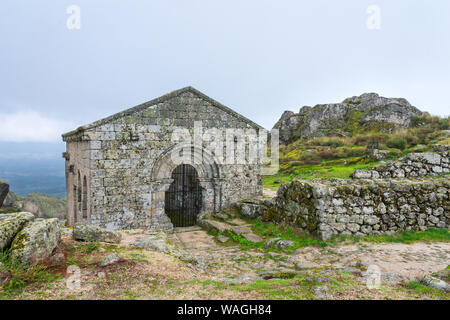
<point>30,126</point>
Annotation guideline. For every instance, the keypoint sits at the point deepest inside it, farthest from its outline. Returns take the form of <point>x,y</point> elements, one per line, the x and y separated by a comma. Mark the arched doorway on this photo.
<point>183,199</point>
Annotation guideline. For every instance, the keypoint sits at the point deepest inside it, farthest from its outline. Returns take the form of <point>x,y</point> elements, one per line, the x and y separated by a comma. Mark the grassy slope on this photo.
<point>338,157</point>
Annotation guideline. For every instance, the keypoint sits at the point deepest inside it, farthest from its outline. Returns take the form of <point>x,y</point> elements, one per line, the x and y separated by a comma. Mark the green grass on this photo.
<point>416,287</point>
<point>270,230</point>
<point>327,169</point>
<point>298,287</point>
<point>22,276</point>
<point>302,239</point>
<point>429,235</point>
<point>285,232</point>
<point>337,156</point>
<point>9,210</point>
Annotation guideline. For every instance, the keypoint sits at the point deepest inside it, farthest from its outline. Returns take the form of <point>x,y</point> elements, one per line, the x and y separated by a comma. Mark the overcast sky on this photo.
<point>257,57</point>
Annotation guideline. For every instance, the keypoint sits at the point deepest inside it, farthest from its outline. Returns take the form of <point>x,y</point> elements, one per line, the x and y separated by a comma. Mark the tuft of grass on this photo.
<point>270,230</point>
<point>22,275</point>
<point>330,169</point>
<point>429,235</point>
<point>285,232</point>
<point>422,290</point>
<point>9,210</point>
<point>295,288</point>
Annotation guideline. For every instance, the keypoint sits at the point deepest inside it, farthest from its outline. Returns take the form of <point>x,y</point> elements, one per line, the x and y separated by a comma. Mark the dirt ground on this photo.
<point>233,273</point>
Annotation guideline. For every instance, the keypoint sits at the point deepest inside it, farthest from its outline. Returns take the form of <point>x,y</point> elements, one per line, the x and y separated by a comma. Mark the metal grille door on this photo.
<point>184,197</point>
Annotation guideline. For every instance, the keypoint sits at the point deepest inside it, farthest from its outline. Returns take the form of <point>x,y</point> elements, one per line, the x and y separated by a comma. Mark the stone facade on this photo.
<point>411,166</point>
<point>118,168</point>
<point>362,207</point>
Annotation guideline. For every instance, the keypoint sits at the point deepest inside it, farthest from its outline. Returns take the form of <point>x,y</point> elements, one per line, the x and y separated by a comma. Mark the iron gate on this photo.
<point>183,200</point>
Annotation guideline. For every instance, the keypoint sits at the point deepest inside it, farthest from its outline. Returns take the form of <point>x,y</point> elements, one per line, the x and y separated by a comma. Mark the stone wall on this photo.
<point>362,207</point>
<point>411,166</point>
<point>126,159</point>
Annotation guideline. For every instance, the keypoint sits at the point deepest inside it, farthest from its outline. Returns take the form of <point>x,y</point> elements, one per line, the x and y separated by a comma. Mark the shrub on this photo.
<point>397,143</point>
<point>326,154</point>
<point>364,140</point>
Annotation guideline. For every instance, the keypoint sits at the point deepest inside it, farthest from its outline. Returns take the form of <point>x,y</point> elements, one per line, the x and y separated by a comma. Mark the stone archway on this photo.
<point>209,178</point>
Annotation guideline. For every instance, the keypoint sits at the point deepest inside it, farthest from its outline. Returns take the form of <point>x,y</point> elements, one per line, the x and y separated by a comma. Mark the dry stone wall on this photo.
<point>411,166</point>
<point>362,207</point>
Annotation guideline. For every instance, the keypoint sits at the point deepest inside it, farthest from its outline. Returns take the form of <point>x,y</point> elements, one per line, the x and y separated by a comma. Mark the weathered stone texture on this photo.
<point>85,232</point>
<point>10,225</point>
<point>4,189</point>
<point>369,110</point>
<point>36,241</point>
<point>362,207</point>
<point>411,166</point>
<point>126,161</point>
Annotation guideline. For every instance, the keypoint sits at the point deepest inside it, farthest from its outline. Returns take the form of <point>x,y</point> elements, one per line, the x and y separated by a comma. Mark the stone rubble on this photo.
<point>84,232</point>
<point>411,166</point>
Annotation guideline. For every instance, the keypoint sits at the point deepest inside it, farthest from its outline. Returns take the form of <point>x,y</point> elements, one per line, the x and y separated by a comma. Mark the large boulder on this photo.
<point>158,241</point>
<point>435,283</point>
<point>85,232</point>
<point>36,241</point>
<point>4,189</point>
<point>155,241</point>
<point>10,225</point>
<point>10,200</point>
<point>249,209</point>
<point>354,114</point>
<point>45,206</point>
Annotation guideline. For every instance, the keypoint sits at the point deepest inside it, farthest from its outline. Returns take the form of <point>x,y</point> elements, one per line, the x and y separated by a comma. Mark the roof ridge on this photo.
<point>160,99</point>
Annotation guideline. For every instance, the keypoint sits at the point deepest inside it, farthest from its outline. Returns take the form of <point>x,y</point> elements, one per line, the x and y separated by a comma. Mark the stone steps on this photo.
<point>240,228</point>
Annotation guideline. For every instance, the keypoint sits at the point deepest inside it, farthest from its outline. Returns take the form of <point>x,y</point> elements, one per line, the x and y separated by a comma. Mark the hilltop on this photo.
<point>332,140</point>
<point>355,115</point>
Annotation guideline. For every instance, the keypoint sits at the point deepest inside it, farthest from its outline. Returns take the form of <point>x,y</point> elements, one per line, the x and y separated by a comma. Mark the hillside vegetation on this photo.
<point>338,157</point>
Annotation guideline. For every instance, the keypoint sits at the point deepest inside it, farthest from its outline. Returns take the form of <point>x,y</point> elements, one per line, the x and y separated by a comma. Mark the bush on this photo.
<point>332,142</point>
<point>397,143</point>
<point>326,154</point>
<point>364,140</point>
<point>22,275</point>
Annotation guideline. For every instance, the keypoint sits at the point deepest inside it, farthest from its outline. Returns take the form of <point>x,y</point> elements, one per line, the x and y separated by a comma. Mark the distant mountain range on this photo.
<point>33,168</point>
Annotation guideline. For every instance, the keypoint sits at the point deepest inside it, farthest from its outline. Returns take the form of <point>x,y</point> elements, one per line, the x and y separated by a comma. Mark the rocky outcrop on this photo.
<point>158,241</point>
<point>85,232</point>
<point>10,200</point>
<point>435,283</point>
<point>4,189</point>
<point>362,207</point>
<point>253,208</point>
<point>250,209</point>
<point>278,243</point>
<point>45,206</point>
<point>411,166</point>
<point>10,225</point>
<point>110,259</point>
<point>352,116</point>
<point>30,240</point>
<point>36,242</point>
